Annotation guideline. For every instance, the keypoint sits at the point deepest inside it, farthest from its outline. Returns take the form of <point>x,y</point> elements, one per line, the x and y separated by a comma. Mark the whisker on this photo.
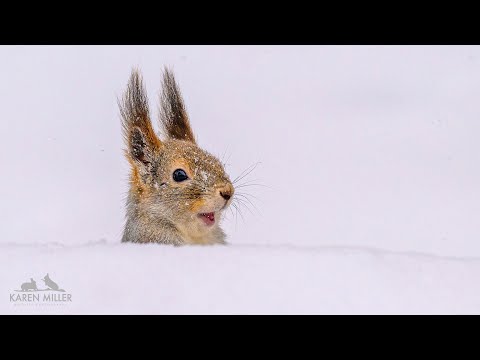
<point>223,156</point>
<point>247,185</point>
<point>233,215</point>
<point>244,198</point>
<point>236,214</point>
<point>248,181</point>
<point>228,159</point>
<point>239,209</point>
<point>245,172</point>
<point>248,195</point>
<point>242,202</point>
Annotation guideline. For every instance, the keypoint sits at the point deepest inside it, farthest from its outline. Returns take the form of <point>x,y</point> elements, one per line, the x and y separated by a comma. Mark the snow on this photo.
<point>244,279</point>
<point>368,157</point>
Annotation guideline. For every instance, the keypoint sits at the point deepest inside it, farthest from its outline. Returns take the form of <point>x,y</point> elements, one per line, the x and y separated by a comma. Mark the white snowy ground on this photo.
<point>361,147</point>
<point>244,279</point>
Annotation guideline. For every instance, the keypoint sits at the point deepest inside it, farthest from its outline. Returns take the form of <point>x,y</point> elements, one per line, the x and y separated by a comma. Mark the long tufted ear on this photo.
<point>140,138</point>
<point>173,115</point>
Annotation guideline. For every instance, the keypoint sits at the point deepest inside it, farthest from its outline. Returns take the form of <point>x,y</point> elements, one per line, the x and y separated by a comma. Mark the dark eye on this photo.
<point>180,175</point>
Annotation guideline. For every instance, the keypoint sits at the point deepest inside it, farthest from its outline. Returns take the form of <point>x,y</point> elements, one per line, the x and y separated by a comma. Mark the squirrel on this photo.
<point>177,191</point>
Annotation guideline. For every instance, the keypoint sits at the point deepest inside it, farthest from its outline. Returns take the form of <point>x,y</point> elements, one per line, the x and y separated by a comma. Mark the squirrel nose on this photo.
<point>226,191</point>
<point>226,194</point>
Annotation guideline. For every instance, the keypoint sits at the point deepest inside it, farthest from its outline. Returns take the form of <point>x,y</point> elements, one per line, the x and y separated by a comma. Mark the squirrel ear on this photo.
<point>173,114</point>
<point>140,138</point>
<point>138,148</point>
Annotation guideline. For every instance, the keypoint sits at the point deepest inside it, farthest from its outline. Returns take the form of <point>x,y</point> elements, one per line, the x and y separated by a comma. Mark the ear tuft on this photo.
<point>173,115</point>
<point>140,138</point>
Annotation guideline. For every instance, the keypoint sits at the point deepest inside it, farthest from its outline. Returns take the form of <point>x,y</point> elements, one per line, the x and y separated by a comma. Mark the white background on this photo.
<point>369,146</point>
<point>368,155</point>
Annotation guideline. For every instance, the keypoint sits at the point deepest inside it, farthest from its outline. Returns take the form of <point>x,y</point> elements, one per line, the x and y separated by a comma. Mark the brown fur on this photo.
<point>173,115</point>
<point>159,209</point>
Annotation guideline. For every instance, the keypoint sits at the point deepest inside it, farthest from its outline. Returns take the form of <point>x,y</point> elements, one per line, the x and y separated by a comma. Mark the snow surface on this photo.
<point>243,279</point>
<point>359,147</point>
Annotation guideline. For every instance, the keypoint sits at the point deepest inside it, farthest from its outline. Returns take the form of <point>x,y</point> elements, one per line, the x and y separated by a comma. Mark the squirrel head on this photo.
<point>172,180</point>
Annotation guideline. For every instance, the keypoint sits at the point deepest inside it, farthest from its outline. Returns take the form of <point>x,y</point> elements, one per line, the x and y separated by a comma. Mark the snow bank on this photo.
<point>282,279</point>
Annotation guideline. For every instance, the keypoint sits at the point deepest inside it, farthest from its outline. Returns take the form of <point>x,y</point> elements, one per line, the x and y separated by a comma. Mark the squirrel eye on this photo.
<point>180,175</point>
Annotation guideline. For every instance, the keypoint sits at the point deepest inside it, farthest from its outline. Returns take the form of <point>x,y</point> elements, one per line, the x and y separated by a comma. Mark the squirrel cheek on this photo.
<point>196,205</point>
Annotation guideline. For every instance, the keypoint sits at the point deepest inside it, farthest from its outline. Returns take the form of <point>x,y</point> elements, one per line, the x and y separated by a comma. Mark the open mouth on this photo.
<point>208,218</point>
